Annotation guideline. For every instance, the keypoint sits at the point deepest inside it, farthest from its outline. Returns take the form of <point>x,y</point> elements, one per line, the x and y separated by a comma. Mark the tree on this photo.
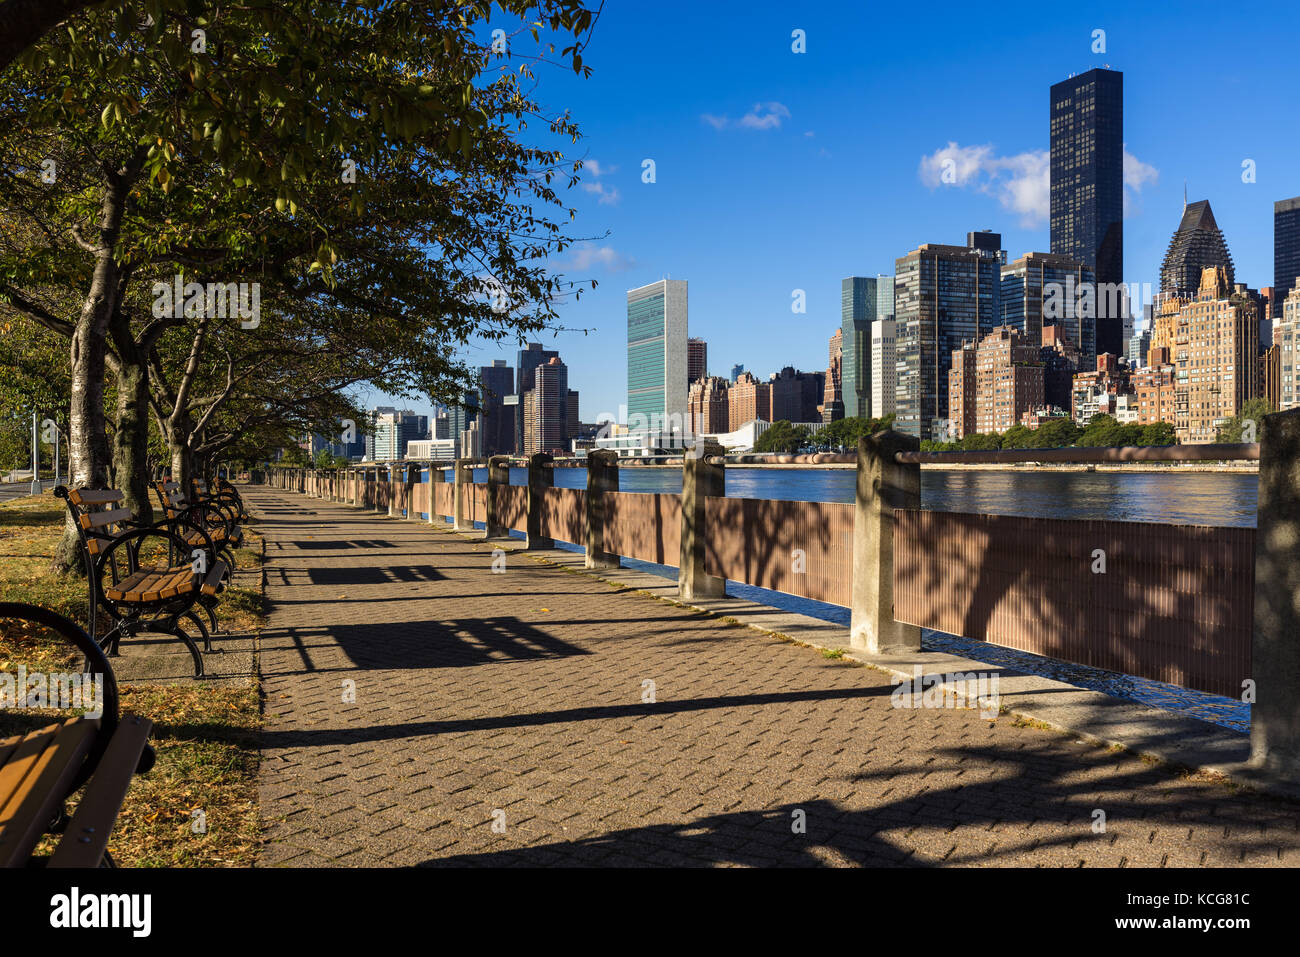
<point>1158,433</point>
<point>284,96</point>
<point>1249,420</point>
<point>1019,437</point>
<point>981,441</point>
<point>1056,434</point>
<point>781,436</point>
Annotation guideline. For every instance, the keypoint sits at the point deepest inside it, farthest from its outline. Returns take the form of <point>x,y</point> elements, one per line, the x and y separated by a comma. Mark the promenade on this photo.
<point>424,709</point>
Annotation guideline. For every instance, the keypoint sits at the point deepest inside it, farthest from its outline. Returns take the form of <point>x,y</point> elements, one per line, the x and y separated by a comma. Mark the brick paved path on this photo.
<point>522,693</point>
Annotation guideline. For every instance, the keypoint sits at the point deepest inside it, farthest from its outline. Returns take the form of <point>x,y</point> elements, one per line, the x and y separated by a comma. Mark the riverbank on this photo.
<point>1175,467</point>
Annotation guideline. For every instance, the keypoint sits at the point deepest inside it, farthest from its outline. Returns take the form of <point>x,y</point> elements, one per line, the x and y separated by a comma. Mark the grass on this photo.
<point>204,735</point>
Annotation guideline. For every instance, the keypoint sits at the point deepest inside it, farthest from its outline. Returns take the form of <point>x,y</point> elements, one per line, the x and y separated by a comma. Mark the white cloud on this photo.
<point>606,195</point>
<point>587,255</point>
<point>596,169</point>
<point>1021,182</point>
<point>764,116</point>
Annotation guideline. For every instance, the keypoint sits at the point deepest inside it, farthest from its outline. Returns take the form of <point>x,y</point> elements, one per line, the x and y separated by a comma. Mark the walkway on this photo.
<point>499,720</point>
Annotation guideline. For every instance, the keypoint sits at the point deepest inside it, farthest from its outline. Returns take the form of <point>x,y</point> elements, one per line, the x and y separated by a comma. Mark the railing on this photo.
<point>1178,604</point>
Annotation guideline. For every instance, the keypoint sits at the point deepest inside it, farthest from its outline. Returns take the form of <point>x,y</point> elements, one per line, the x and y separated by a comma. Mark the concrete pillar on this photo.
<point>602,476</point>
<point>498,476</point>
<point>379,507</point>
<point>700,481</point>
<point>883,486</point>
<point>436,477</point>
<point>463,479</point>
<point>412,483</point>
<point>391,479</point>
<point>1275,650</point>
<point>539,480</point>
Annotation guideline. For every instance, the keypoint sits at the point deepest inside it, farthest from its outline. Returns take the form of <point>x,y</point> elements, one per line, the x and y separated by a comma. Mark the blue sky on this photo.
<point>778,171</point>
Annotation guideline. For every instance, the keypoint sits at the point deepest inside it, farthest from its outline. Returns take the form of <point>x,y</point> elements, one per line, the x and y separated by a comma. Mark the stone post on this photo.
<point>540,476</point>
<point>883,486</point>
<point>602,476</point>
<point>436,477</point>
<point>701,480</point>
<point>1275,650</point>
<point>498,476</point>
<point>392,489</point>
<point>463,488</point>
<point>412,483</point>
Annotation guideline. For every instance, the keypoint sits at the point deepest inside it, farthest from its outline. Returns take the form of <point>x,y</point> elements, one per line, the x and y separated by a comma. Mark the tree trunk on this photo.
<point>131,438</point>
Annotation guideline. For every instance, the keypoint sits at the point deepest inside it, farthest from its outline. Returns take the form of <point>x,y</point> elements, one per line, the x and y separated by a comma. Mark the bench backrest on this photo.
<point>98,515</point>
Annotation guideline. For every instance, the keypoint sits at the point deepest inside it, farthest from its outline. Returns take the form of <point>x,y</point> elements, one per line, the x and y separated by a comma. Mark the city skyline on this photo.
<point>770,209</point>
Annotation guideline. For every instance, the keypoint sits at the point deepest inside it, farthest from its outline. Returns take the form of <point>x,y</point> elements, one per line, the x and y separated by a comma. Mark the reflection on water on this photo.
<point>1174,497</point>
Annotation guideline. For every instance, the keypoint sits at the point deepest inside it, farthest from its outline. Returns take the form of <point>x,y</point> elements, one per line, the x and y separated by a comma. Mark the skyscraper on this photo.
<point>1197,245</point>
<point>943,296</point>
<point>529,358</point>
<point>656,356</point>
<point>1087,184</point>
<point>546,409</point>
<point>498,424</point>
<point>697,360</point>
<point>833,396</point>
<point>1286,250</point>
<point>884,367</point>
<point>863,300</point>
<point>1042,289</point>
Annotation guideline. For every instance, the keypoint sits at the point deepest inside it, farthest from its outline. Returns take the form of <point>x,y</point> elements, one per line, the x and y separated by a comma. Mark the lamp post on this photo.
<point>36,461</point>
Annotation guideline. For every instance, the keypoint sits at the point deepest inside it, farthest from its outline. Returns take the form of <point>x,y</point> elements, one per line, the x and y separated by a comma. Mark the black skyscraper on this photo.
<point>1286,250</point>
<point>530,357</point>
<point>1087,191</point>
<point>495,383</point>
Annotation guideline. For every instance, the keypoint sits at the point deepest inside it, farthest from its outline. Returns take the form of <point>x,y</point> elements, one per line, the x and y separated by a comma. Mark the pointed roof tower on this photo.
<point>1197,245</point>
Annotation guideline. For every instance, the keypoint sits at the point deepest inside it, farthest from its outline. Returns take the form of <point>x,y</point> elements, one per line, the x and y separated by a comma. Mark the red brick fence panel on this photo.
<point>1172,603</point>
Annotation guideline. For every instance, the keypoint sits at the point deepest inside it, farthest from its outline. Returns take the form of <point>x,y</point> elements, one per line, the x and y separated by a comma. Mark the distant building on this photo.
<point>833,394</point>
<point>1217,357</point>
<point>527,361</point>
<point>1155,388</point>
<point>546,409</point>
<point>1045,289</point>
<point>708,405</point>
<point>748,399</point>
<point>736,370</point>
<point>1197,245</point>
<point>796,395</point>
<point>393,432</point>
<point>1138,348</point>
<point>1286,342</point>
<point>1061,361</point>
<point>498,421</point>
<point>1087,184</point>
<point>884,368</point>
<point>943,296</point>
<point>863,300</point>
<point>1286,250</point>
<point>1008,382</point>
<point>656,355</point>
<point>697,360</point>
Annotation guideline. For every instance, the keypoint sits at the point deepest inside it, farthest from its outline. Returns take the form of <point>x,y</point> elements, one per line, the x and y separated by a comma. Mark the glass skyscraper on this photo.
<point>944,296</point>
<point>1042,289</point>
<point>863,300</point>
<point>1286,250</point>
<point>1087,184</point>
<point>656,356</point>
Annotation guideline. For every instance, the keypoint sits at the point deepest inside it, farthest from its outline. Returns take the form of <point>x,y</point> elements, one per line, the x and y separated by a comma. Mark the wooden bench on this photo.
<point>146,578</point>
<point>213,527</point>
<point>40,770</point>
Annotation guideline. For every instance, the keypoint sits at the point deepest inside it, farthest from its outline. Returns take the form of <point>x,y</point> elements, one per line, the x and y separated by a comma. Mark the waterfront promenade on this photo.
<point>502,718</point>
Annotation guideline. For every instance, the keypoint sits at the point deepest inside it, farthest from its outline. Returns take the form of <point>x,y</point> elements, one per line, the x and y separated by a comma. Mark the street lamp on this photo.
<point>36,461</point>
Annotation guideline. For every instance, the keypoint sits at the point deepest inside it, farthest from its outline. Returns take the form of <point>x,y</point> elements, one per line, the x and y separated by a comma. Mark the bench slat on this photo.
<point>100,519</point>
<point>86,838</point>
<point>94,496</point>
<point>213,581</point>
<point>32,805</point>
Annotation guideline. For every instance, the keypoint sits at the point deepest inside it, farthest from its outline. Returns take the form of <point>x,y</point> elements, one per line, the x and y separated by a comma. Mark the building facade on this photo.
<point>1087,183</point>
<point>1286,250</point>
<point>497,426</point>
<point>863,300</point>
<point>1197,245</point>
<point>943,296</point>
<point>1045,289</point>
<point>833,395</point>
<point>747,400</point>
<point>697,360</point>
<point>656,355</point>
<point>884,367</point>
<point>708,405</point>
<point>1216,353</point>
<point>546,409</point>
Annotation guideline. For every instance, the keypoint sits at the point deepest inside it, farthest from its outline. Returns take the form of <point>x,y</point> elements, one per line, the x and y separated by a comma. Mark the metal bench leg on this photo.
<point>198,622</point>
